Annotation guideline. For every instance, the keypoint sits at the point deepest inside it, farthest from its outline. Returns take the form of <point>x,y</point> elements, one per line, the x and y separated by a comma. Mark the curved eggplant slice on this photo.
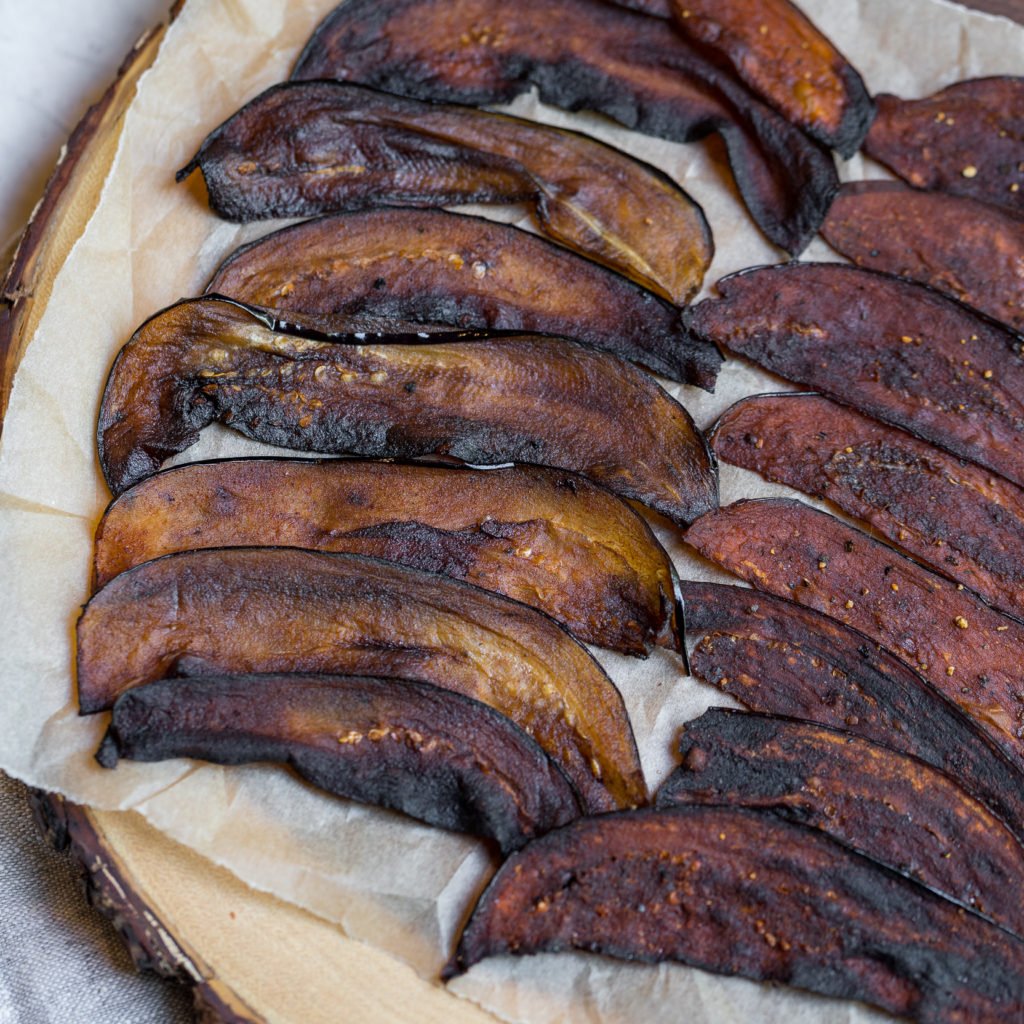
<point>237,611</point>
<point>744,893</point>
<point>307,148</point>
<point>967,139</point>
<point>632,68</point>
<point>895,809</point>
<point>970,250</point>
<point>893,349</point>
<point>961,520</point>
<point>492,401</point>
<point>960,645</point>
<point>465,272</point>
<point>550,539</point>
<point>413,747</point>
<point>775,656</point>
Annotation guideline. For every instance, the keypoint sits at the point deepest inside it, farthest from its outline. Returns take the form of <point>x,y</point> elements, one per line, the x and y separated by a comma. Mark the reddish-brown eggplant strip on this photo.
<point>521,399</point>
<point>891,348</point>
<point>547,538</point>
<point>237,611</point>
<point>959,644</point>
<point>440,757</point>
<point>778,657</point>
<point>967,139</point>
<point>892,808</point>
<point>307,148</point>
<point>969,249</point>
<point>960,519</point>
<point>744,893</point>
<point>466,272</point>
<point>635,69</point>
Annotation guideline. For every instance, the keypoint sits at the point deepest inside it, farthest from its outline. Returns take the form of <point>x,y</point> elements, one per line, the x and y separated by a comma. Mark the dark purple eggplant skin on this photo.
<point>780,658</point>
<point>892,808</point>
<point>635,69</point>
<point>745,893</point>
<point>438,756</point>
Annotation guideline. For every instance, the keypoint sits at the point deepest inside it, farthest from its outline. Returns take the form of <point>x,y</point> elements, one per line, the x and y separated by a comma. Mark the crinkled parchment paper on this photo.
<point>402,886</point>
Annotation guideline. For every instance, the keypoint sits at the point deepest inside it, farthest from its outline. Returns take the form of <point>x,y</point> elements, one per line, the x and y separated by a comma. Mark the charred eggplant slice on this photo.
<point>961,520</point>
<point>308,148</point>
<point>635,69</point>
<point>968,249</point>
<point>547,538</point>
<point>892,808</point>
<point>465,272</point>
<point>967,139</point>
<point>744,893</point>
<point>238,611</point>
<point>893,349</point>
<point>959,644</point>
<point>433,754</point>
<point>486,402</point>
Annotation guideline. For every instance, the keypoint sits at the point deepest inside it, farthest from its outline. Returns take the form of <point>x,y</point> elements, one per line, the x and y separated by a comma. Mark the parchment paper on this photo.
<point>402,886</point>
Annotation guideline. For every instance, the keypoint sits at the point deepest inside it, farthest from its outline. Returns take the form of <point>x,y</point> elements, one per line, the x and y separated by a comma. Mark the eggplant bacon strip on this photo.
<point>464,272</point>
<point>893,349</point>
<point>967,139</point>
<point>892,808</point>
<point>745,893</point>
<point>308,148</point>
<point>237,611</point>
<point>486,402</point>
<point>968,249</point>
<point>413,747</point>
<point>637,70</point>
<point>777,657</point>
<point>547,538</point>
<point>959,644</point>
<point>954,516</point>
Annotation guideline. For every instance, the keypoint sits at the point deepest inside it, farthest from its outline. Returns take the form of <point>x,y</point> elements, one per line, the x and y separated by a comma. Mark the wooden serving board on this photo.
<point>249,957</point>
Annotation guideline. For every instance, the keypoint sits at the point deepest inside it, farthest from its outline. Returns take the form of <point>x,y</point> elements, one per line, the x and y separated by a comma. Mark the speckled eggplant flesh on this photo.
<point>745,893</point>
<point>897,351</point>
<point>238,611</point>
<point>964,648</point>
<point>777,657</point>
<point>637,70</point>
<point>547,538</point>
<point>307,148</point>
<point>967,139</point>
<point>484,401</point>
<point>963,521</point>
<point>892,808</point>
<point>464,272</point>
<point>413,747</point>
<point>971,250</point>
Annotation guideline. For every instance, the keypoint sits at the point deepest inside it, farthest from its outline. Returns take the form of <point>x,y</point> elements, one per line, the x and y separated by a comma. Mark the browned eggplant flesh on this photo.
<point>237,611</point>
<point>745,893</point>
<point>431,753</point>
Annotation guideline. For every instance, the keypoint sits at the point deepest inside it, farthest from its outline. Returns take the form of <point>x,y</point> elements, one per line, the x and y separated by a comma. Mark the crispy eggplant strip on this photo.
<point>960,645</point>
<point>966,248</point>
<point>744,893</point>
<point>891,348</point>
<point>492,401</point>
<point>895,809</point>
<point>237,611</point>
<point>466,272</point>
<point>306,148</point>
<point>547,538</point>
<point>967,139</point>
<point>775,656</point>
<point>634,69</point>
<point>960,519</point>
<point>413,747</point>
